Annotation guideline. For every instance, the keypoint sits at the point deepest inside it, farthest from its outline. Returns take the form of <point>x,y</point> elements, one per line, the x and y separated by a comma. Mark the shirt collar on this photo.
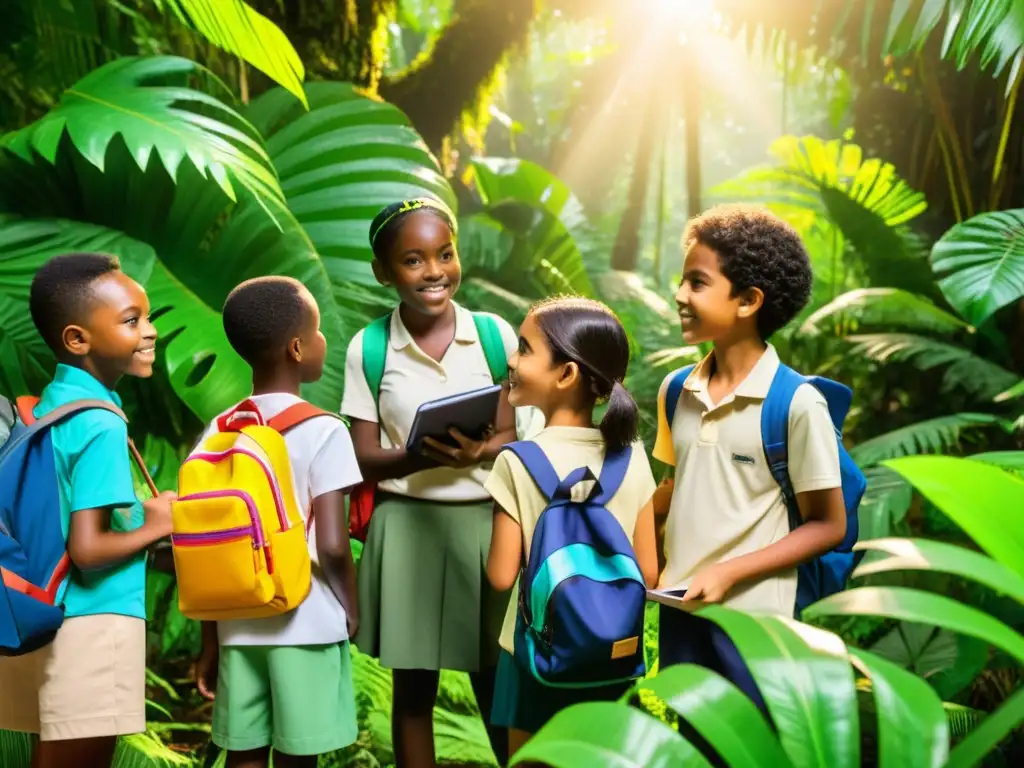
<point>83,385</point>
<point>465,328</point>
<point>755,386</point>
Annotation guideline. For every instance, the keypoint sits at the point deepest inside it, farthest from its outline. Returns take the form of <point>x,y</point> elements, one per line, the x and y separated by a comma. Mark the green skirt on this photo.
<point>424,599</point>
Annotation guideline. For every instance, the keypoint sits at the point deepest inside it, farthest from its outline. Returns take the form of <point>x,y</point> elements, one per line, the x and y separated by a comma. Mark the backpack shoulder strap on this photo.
<point>675,391</point>
<point>297,414</point>
<point>613,472</point>
<point>537,465</point>
<point>494,348</point>
<point>375,349</point>
<point>775,429</point>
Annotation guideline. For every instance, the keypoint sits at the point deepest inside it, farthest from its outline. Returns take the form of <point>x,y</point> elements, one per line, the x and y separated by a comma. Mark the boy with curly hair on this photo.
<point>727,540</point>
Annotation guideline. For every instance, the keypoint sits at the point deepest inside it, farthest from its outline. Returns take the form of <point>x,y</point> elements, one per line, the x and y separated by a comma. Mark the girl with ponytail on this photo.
<point>572,358</point>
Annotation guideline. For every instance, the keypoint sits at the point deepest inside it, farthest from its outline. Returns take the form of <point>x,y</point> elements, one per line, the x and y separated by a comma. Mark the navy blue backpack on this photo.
<point>829,573</point>
<point>581,595</point>
<point>34,563</point>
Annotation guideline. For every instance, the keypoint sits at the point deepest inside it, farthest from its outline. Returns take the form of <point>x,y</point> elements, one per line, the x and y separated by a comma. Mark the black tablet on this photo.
<point>470,412</point>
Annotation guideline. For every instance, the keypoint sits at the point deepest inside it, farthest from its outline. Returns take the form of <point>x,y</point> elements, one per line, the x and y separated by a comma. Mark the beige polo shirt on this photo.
<point>411,378</point>
<point>567,448</point>
<point>726,502</point>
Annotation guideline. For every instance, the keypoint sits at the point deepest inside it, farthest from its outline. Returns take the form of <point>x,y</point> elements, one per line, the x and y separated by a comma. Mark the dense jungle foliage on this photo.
<point>208,141</point>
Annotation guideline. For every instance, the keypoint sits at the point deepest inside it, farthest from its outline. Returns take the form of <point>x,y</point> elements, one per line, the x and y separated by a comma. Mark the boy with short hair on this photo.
<point>727,537</point>
<point>285,681</point>
<point>88,686</point>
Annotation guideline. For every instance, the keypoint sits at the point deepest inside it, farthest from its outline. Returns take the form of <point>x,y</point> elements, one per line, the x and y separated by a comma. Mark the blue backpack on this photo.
<point>581,596</point>
<point>828,573</point>
<point>34,562</point>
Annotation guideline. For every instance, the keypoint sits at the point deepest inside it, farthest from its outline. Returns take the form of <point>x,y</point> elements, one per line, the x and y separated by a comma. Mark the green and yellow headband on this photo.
<point>391,212</point>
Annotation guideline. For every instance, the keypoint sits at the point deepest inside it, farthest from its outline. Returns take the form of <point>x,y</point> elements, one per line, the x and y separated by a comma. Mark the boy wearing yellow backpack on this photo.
<point>261,544</point>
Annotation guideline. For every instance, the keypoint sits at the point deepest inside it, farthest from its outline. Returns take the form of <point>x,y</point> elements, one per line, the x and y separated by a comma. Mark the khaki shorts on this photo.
<point>90,682</point>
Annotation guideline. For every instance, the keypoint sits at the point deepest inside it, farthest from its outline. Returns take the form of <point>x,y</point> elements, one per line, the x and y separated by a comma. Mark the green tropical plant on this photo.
<point>809,677</point>
<point>74,36</point>
<point>211,188</point>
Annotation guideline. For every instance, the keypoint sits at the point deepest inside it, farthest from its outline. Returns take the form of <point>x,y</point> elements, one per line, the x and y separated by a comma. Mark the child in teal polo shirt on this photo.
<point>88,686</point>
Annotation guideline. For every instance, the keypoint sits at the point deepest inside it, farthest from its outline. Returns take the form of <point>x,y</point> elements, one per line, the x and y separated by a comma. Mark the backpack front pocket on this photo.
<point>223,564</point>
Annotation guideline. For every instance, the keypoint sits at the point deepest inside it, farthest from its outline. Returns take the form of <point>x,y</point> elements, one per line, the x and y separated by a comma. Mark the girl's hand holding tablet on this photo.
<point>468,453</point>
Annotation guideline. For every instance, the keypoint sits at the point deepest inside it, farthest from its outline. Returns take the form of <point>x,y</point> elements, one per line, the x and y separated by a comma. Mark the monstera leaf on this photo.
<point>981,264</point>
<point>129,98</point>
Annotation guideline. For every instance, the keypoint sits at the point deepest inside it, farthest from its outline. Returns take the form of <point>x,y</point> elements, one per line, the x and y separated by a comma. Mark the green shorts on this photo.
<point>298,699</point>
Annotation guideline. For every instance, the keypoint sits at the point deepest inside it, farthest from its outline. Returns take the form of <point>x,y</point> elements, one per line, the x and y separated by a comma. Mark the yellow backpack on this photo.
<point>239,540</point>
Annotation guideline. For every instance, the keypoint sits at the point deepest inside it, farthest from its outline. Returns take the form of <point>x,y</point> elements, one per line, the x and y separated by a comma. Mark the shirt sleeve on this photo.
<point>813,444</point>
<point>664,449</point>
<point>357,402</point>
<point>501,485</point>
<point>334,467</point>
<point>100,469</point>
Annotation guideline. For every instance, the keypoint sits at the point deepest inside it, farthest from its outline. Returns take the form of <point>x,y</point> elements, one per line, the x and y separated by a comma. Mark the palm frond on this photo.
<point>929,436</point>
<point>966,371</point>
<point>832,194</point>
<point>888,307</point>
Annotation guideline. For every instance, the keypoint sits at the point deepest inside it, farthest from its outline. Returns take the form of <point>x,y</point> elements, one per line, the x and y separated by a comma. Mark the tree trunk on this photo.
<point>626,251</point>
<point>448,79</point>
<point>690,78</point>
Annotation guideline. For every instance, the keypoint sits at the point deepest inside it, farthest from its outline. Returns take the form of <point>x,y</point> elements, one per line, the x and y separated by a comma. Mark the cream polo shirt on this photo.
<point>726,502</point>
<point>567,448</point>
<point>411,378</point>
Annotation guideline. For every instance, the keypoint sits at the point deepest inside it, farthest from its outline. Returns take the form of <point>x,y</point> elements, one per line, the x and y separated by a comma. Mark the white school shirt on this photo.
<point>411,378</point>
<point>323,460</point>
<point>726,503</point>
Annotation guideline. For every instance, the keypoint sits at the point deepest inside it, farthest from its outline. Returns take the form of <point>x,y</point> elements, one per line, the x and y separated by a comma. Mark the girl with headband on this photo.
<point>426,604</point>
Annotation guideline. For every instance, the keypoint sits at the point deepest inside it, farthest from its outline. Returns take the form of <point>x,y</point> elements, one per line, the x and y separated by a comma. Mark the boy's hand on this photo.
<point>468,453</point>
<point>205,670</point>
<point>158,513</point>
<point>712,584</point>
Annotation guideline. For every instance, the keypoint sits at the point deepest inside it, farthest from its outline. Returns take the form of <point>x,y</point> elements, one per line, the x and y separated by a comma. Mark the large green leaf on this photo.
<point>904,705</point>
<point>804,675</point>
<point>25,246</point>
<point>882,308</point>
<point>548,229</point>
<point>885,503</point>
<point>832,194</point>
<point>721,713</point>
<point>938,556</point>
<point>983,500</point>
<point>238,29</point>
<point>981,263</point>
<point>340,163</point>
<point>607,735</point>
<point>929,436</point>
<point>979,377</point>
<point>920,648</point>
<point>922,607</point>
<point>129,98</point>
